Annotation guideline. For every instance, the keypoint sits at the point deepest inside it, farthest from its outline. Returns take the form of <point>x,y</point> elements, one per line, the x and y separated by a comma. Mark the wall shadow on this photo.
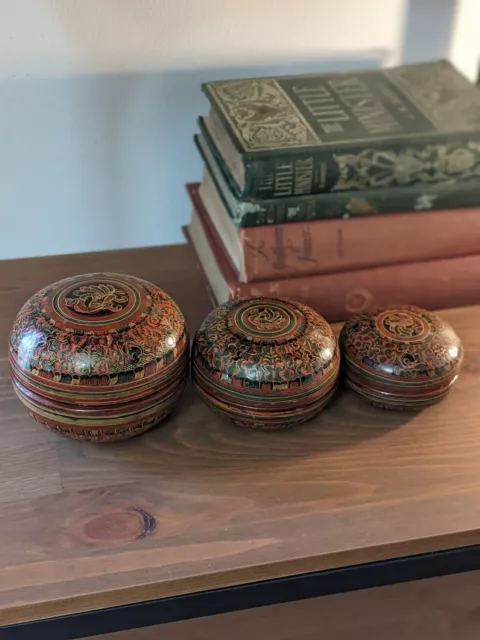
<point>100,162</point>
<point>428,30</point>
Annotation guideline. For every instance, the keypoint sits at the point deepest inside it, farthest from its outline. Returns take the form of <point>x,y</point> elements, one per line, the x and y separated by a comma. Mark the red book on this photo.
<point>435,284</point>
<point>328,246</point>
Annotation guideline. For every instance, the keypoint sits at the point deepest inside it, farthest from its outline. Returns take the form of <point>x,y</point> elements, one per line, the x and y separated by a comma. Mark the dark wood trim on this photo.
<point>248,596</point>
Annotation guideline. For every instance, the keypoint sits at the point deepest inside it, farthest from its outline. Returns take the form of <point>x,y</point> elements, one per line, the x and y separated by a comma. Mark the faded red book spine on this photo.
<point>330,246</point>
<point>436,284</point>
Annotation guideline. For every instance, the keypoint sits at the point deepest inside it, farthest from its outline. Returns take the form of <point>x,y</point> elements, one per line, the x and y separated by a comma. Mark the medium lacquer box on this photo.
<point>265,363</point>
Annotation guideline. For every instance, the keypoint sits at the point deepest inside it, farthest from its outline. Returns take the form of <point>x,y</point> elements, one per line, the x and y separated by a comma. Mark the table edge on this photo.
<point>414,552</point>
<point>252,595</point>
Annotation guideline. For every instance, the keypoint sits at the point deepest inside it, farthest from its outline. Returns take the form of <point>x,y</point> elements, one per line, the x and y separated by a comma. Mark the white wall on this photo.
<point>465,49</point>
<point>98,99</point>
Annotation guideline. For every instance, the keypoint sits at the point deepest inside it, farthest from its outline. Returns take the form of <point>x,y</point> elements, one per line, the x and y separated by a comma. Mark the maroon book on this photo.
<point>327,246</point>
<point>433,284</point>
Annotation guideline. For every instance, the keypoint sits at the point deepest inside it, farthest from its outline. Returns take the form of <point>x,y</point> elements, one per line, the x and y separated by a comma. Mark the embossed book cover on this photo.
<point>298,135</point>
<point>253,212</point>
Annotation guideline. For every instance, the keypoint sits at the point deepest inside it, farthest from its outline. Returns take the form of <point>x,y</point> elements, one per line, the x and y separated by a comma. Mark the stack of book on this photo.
<point>345,191</point>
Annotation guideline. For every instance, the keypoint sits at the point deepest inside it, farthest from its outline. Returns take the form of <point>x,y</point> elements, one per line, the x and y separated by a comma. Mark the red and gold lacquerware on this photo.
<point>400,357</point>
<point>99,357</point>
<point>265,363</point>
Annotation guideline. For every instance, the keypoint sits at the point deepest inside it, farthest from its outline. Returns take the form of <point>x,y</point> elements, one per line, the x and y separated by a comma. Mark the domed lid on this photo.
<point>94,330</point>
<point>265,340</point>
<point>403,341</point>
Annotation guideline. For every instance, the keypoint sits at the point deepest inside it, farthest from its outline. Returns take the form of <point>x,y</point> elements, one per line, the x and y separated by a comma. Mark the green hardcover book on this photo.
<point>344,204</point>
<point>300,135</point>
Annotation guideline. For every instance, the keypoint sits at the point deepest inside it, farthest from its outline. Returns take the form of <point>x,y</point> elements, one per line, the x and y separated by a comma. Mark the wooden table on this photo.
<point>198,517</point>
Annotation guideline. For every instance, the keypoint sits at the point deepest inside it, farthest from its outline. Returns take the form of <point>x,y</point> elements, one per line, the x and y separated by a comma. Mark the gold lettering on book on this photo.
<point>398,104</point>
<point>264,182</point>
<point>278,250</point>
<point>283,179</point>
<point>327,106</point>
<point>283,254</point>
<point>306,253</point>
<point>333,127</point>
<point>303,176</point>
<point>321,105</point>
<point>366,108</point>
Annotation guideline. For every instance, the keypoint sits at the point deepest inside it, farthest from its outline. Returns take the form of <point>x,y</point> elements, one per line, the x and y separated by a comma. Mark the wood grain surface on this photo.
<point>198,504</point>
<point>446,608</point>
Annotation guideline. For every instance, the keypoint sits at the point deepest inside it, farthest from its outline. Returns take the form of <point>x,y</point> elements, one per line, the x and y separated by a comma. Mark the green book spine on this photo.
<point>387,128</point>
<point>361,169</point>
<point>344,205</point>
<point>251,212</point>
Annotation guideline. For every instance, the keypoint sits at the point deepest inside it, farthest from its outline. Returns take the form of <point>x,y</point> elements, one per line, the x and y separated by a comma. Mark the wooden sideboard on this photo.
<point>195,524</point>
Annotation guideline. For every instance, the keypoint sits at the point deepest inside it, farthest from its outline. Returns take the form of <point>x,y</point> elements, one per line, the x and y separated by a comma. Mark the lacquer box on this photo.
<point>99,357</point>
<point>265,363</point>
<point>400,357</point>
